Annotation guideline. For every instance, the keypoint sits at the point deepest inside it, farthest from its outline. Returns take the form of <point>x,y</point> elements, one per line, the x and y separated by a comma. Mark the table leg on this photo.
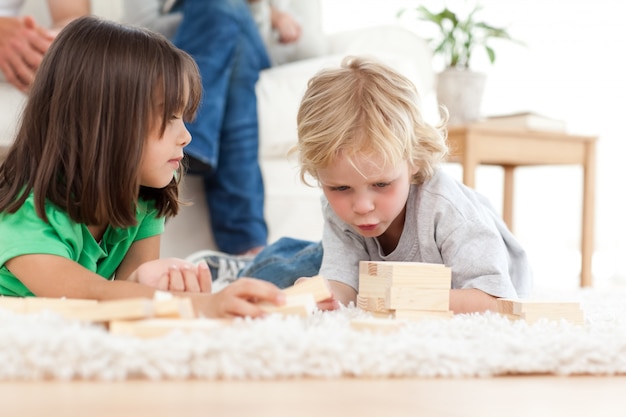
<point>588,213</point>
<point>507,197</point>
<point>469,164</point>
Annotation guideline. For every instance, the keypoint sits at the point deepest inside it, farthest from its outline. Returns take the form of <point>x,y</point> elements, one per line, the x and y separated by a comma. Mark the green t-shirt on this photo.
<point>23,232</point>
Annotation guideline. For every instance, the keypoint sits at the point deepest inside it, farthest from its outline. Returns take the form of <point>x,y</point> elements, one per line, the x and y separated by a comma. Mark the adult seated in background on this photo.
<point>23,41</point>
<point>225,41</point>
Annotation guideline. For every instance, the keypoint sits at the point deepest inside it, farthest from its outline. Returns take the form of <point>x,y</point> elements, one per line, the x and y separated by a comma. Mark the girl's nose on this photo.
<point>185,138</point>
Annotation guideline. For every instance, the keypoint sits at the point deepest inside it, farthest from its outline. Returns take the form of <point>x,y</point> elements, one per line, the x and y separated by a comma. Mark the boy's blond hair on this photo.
<point>366,107</point>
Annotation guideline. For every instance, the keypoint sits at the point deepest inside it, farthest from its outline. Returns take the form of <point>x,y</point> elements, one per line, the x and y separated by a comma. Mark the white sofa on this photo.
<point>292,208</point>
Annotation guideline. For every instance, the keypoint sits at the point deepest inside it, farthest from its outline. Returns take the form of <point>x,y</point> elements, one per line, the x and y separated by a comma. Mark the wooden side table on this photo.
<point>474,145</point>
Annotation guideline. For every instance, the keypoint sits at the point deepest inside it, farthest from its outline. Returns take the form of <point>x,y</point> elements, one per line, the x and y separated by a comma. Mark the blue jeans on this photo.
<point>225,42</point>
<point>286,260</point>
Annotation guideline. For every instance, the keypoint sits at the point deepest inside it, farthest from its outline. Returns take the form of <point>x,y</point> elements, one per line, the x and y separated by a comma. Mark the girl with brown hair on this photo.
<point>94,172</point>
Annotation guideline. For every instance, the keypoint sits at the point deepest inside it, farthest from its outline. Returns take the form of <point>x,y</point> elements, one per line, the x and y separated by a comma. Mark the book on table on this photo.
<point>523,120</point>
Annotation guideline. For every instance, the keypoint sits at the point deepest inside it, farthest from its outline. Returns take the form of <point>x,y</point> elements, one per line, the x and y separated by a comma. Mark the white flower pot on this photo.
<point>461,92</point>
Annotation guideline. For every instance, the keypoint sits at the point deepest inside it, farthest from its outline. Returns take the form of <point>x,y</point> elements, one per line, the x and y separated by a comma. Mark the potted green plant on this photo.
<point>459,88</point>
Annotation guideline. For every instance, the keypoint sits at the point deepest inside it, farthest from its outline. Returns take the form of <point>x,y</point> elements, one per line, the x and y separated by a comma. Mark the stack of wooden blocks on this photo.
<point>405,290</point>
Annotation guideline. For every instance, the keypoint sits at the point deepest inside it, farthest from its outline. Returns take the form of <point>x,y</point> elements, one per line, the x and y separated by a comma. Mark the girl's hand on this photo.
<point>173,274</point>
<point>240,299</point>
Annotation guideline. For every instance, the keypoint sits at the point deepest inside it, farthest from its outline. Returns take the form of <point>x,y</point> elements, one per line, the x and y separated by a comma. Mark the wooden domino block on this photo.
<point>416,315</point>
<point>102,311</point>
<point>371,303</point>
<point>387,314</point>
<point>177,307</point>
<point>302,298</point>
<point>505,305</point>
<point>534,310</point>
<point>413,298</point>
<point>375,306</point>
<point>575,316</point>
<point>543,306</point>
<point>317,286</point>
<point>159,327</point>
<point>372,286</point>
<point>376,325</point>
<point>296,304</point>
<point>14,304</point>
<point>29,305</point>
<point>420,274</point>
<point>519,306</point>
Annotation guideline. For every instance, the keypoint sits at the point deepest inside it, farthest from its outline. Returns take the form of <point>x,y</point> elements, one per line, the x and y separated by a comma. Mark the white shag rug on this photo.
<point>45,346</point>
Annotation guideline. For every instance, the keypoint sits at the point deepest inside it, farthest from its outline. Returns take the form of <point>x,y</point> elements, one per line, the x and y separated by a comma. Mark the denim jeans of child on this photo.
<point>225,42</point>
<point>286,260</point>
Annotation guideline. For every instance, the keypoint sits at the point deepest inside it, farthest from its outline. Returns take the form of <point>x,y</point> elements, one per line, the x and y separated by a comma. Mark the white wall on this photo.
<point>570,69</point>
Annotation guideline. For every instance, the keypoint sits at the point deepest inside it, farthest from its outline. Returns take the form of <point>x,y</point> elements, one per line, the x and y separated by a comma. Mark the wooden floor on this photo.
<point>503,396</point>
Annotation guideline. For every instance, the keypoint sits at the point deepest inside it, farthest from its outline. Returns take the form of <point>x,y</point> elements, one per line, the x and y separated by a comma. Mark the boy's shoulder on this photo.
<point>444,187</point>
<point>443,183</point>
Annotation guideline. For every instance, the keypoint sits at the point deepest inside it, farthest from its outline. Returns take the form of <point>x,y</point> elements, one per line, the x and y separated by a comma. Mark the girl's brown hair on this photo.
<point>92,104</point>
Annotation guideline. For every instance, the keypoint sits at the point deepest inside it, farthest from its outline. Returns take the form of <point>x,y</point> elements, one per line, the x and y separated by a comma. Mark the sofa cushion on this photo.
<point>279,92</point>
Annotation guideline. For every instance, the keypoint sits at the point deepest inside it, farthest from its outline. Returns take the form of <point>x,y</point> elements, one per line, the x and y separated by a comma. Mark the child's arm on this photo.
<point>140,252</point>
<point>56,276</point>
<point>470,300</point>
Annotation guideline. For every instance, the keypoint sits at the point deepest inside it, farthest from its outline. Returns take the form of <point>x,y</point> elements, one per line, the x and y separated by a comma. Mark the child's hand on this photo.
<point>172,274</point>
<point>330,303</point>
<point>240,299</point>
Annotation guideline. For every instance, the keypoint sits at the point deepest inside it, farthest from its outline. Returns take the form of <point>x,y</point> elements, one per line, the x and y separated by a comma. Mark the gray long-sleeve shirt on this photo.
<point>446,223</point>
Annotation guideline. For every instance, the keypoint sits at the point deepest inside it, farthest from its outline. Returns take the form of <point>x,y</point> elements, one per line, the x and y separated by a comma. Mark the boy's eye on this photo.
<point>340,188</point>
<point>381,184</point>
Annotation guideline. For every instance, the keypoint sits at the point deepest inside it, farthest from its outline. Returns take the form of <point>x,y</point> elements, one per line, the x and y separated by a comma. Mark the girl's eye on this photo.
<point>175,117</point>
<point>381,184</point>
<point>340,188</point>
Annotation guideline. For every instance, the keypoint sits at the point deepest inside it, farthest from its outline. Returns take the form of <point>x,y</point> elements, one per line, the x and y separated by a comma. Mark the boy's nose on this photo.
<point>362,205</point>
